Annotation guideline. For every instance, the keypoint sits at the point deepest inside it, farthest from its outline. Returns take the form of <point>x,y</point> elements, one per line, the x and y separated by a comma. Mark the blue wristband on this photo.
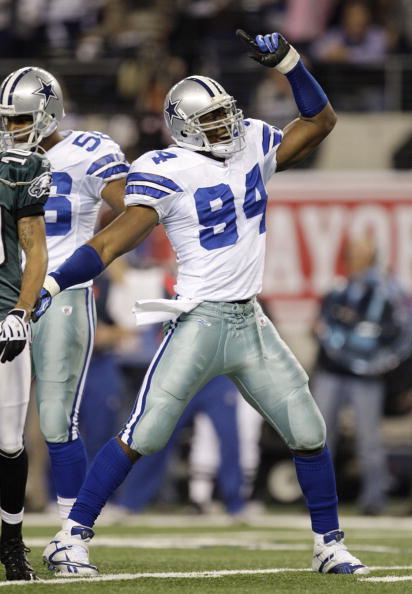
<point>309,95</point>
<point>83,265</point>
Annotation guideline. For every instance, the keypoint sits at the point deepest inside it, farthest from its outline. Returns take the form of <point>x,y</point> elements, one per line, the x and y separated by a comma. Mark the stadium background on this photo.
<point>117,58</point>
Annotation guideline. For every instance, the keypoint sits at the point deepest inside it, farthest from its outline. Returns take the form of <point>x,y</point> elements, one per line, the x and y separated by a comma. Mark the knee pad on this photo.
<point>10,453</point>
<point>54,421</point>
<point>310,433</point>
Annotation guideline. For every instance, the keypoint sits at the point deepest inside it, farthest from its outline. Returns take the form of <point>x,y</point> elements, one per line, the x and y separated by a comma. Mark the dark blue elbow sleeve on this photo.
<point>83,265</point>
<point>309,95</point>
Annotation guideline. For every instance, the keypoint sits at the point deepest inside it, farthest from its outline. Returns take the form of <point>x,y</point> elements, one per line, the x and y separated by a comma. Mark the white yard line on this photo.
<point>388,578</point>
<point>198,575</point>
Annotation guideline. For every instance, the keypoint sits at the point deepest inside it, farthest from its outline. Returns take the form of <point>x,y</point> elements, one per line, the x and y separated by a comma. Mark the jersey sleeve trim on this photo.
<point>32,210</point>
<point>107,166</point>
<point>150,184</point>
<point>271,137</point>
<point>145,191</point>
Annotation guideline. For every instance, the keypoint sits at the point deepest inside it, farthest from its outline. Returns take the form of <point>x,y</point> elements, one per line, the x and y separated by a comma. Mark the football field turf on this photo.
<point>200,554</point>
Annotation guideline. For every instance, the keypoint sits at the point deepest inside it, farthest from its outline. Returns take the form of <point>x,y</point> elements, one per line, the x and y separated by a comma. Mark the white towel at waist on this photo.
<point>150,311</point>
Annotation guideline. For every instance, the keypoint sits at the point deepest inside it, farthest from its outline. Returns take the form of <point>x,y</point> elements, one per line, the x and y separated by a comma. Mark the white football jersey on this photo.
<point>213,212</point>
<point>81,164</point>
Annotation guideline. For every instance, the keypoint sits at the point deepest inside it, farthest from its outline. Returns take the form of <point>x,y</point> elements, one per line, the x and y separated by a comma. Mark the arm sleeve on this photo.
<point>108,165</point>
<point>32,210</point>
<point>150,189</point>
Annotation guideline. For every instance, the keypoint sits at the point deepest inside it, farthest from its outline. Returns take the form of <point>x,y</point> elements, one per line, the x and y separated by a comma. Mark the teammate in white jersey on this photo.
<point>87,167</point>
<point>209,192</point>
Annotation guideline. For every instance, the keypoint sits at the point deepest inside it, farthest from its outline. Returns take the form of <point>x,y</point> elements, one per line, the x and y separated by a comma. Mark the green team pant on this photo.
<point>236,340</point>
<point>62,346</point>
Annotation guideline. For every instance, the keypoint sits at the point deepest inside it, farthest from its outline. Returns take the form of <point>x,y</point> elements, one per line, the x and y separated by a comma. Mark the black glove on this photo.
<point>14,334</point>
<point>269,50</point>
<point>42,304</point>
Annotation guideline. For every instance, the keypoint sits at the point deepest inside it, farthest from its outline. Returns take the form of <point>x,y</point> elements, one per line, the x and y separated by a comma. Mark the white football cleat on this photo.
<point>68,553</point>
<point>330,555</point>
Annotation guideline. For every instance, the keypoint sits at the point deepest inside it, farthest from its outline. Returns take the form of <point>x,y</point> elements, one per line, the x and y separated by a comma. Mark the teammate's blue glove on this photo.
<point>14,334</point>
<point>42,305</point>
<point>270,50</point>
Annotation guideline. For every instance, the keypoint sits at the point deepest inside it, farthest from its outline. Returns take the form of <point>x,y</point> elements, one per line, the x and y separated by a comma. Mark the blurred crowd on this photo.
<point>130,52</point>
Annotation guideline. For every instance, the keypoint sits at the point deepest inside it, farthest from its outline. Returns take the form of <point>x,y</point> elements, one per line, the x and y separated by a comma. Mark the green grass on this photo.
<point>199,545</point>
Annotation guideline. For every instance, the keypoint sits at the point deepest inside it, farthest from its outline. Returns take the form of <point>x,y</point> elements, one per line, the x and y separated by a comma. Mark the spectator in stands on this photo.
<point>6,28</point>
<point>364,330</point>
<point>357,40</point>
<point>306,20</point>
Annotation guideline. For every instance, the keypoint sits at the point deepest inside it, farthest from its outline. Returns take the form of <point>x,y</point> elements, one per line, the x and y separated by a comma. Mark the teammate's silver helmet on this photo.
<point>194,97</point>
<point>32,91</point>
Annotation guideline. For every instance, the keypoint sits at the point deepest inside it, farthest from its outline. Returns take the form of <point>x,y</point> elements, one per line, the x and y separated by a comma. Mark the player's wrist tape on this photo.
<point>289,61</point>
<point>309,95</point>
<point>83,265</point>
<point>51,285</point>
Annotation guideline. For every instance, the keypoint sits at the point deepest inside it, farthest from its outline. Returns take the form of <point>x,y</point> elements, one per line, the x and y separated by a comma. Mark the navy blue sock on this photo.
<point>316,477</point>
<point>69,463</point>
<point>109,469</point>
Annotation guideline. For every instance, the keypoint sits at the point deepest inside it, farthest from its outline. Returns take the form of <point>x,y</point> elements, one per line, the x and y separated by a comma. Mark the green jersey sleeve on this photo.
<point>28,174</point>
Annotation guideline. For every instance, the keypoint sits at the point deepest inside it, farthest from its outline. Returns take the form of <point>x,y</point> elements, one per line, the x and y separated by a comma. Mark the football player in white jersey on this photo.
<point>87,167</point>
<point>208,190</point>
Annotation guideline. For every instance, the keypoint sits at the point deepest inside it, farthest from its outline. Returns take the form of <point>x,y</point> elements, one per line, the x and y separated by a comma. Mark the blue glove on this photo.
<point>42,305</point>
<point>14,334</point>
<point>269,50</point>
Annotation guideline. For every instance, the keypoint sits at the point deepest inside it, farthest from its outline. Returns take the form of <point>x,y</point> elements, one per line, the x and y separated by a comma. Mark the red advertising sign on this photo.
<point>312,214</point>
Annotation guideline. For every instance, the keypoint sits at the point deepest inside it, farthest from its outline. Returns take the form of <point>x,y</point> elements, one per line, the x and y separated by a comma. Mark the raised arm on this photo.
<point>317,117</point>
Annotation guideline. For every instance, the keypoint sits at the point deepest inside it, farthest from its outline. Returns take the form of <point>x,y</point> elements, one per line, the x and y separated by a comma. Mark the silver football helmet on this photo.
<point>35,92</point>
<point>194,97</point>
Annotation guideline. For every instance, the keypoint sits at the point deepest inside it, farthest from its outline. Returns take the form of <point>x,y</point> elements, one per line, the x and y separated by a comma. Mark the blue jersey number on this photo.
<point>163,156</point>
<point>256,197</point>
<point>59,205</point>
<point>216,210</point>
<point>90,140</point>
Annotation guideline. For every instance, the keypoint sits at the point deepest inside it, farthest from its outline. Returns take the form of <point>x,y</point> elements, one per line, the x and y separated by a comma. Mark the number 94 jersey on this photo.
<point>213,212</point>
<point>82,164</point>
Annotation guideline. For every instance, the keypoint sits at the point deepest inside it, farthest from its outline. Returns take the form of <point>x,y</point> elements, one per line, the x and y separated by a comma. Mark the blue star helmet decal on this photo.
<point>46,90</point>
<point>171,110</point>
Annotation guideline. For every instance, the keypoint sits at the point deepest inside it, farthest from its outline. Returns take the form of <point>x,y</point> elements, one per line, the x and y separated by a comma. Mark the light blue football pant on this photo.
<point>62,346</point>
<point>236,340</point>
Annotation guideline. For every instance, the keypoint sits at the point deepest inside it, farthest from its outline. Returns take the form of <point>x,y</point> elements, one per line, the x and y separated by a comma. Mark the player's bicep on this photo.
<point>125,233</point>
<point>32,234</point>
<point>113,194</point>
<point>303,135</point>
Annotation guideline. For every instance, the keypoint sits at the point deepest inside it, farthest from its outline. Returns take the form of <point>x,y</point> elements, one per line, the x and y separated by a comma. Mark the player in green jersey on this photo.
<point>24,188</point>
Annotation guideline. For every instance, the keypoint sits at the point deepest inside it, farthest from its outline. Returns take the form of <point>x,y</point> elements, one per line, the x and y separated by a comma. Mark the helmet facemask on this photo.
<point>27,137</point>
<point>227,127</point>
